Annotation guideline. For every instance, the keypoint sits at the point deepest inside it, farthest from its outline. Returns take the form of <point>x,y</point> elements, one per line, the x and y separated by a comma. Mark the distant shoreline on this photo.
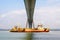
<point>50,29</point>
<point>4,29</point>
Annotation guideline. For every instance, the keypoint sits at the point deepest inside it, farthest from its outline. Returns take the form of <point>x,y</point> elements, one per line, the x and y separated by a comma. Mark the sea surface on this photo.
<point>52,35</point>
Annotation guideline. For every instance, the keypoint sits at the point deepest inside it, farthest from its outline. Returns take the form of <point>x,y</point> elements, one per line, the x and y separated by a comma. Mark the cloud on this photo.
<point>49,10</point>
<point>18,11</point>
<point>54,3</point>
<point>12,18</point>
<point>2,16</point>
<point>45,15</point>
<point>14,12</point>
<point>52,0</point>
<point>48,16</point>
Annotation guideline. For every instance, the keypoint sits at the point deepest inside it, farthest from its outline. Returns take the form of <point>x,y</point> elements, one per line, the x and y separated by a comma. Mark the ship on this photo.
<point>39,28</point>
<point>30,6</point>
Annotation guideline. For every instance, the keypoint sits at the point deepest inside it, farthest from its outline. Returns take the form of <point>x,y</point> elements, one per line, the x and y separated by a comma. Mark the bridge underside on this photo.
<point>30,5</point>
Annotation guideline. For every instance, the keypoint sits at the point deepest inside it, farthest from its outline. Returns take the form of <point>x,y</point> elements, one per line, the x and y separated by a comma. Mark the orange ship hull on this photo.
<point>37,31</point>
<point>30,30</point>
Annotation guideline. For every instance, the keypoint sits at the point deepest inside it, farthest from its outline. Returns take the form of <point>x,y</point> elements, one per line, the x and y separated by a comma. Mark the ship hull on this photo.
<point>30,30</point>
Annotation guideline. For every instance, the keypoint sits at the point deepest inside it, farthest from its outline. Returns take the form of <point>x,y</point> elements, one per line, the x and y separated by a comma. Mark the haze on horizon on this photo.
<point>12,12</point>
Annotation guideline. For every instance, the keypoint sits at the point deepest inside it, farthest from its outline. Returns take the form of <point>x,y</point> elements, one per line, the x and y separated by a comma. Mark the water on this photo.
<point>52,35</point>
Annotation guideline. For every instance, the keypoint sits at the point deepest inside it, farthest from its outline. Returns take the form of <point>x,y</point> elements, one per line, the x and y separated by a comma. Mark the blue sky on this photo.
<point>12,12</point>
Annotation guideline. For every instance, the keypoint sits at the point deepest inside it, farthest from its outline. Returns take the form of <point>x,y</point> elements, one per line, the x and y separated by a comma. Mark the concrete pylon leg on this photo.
<point>30,23</point>
<point>30,5</point>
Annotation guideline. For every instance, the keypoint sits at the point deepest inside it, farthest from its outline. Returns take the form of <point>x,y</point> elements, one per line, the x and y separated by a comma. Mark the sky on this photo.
<point>12,12</point>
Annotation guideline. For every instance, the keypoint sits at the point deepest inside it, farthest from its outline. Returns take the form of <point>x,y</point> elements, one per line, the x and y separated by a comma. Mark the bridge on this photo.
<point>30,5</point>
